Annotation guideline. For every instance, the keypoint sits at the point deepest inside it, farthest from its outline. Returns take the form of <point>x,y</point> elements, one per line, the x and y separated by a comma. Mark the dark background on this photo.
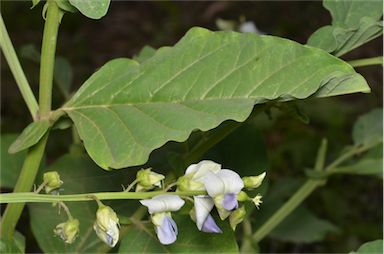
<point>354,203</point>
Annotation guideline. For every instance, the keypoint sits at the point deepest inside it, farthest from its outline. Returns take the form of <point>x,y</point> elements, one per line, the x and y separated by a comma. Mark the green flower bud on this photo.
<point>237,217</point>
<point>148,179</point>
<point>68,231</point>
<point>242,196</point>
<point>52,181</point>
<point>257,200</point>
<point>107,225</point>
<point>252,182</point>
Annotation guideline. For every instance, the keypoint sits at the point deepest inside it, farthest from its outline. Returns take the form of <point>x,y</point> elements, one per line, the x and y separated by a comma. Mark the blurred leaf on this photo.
<point>94,9</point>
<point>362,167</point>
<point>10,163</point>
<point>301,226</point>
<point>144,54</point>
<point>374,247</point>
<point>80,175</point>
<point>142,239</point>
<point>30,52</point>
<point>353,24</point>
<point>30,136</point>
<point>368,128</point>
<point>63,75</point>
<point>34,3</point>
<point>295,111</point>
<point>15,245</point>
<point>236,71</point>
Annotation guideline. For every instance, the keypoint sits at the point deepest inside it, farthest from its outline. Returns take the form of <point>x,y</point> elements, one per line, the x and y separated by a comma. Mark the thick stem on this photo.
<point>17,71</point>
<point>47,198</point>
<point>48,50</point>
<point>24,183</point>
<point>366,61</point>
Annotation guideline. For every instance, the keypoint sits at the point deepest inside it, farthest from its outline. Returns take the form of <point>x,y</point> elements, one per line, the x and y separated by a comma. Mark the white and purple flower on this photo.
<point>160,208</point>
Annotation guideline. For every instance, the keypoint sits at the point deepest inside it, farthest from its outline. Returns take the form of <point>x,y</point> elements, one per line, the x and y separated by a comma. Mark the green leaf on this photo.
<point>366,166</point>
<point>10,163</point>
<point>142,239</point>
<point>371,247</point>
<point>80,175</point>
<point>144,54</point>
<point>63,75</point>
<point>66,5</point>
<point>30,52</point>
<point>125,110</point>
<point>30,136</point>
<point>15,245</point>
<point>34,3</point>
<point>94,9</point>
<point>302,227</point>
<point>368,129</point>
<point>353,24</point>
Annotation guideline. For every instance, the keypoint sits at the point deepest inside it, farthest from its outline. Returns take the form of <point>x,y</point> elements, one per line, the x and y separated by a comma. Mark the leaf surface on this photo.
<point>94,9</point>
<point>353,24</point>
<point>368,128</point>
<point>126,109</point>
<point>371,247</point>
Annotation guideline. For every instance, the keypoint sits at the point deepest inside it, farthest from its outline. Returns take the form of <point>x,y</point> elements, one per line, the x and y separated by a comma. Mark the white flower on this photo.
<point>204,220</point>
<point>223,187</point>
<point>107,225</point>
<point>193,180</point>
<point>160,208</point>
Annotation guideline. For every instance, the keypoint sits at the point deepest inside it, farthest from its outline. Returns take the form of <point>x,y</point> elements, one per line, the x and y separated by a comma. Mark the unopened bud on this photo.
<point>186,183</point>
<point>107,225</point>
<point>237,217</point>
<point>252,182</point>
<point>242,196</point>
<point>148,179</point>
<point>68,230</point>
<point>52,181</point>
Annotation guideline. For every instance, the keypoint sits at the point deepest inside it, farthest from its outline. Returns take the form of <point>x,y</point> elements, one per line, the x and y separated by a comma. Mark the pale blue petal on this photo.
<point>230,201</point>
<point>167,232</point>
<point>210,226</point>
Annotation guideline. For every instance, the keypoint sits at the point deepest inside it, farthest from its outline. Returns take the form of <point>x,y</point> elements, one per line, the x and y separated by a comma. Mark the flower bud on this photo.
<point>107,225</point>
<point>186,183</point>
<point>257,200</point>
<point>148,179</point>
<point>237,217</point>
<point>252,182</point>
<point>68,230</point>
<point>52,181</point>
<point>242,196</point>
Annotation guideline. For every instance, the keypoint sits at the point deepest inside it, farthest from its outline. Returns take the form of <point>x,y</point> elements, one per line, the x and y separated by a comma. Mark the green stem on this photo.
<point>24,183</point>
<point>48,50</point>
<point>305,190</point>
<point>366,61</point>
<point>47,198</point>
<point>17,71</point>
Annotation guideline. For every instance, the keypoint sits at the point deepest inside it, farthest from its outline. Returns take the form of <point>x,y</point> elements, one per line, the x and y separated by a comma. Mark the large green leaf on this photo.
<point>10,163</point>
<point>373,247</point>
<point>94,9</point>
<point>302,227</point>
<point>14,245</point>
<point>125,110</point>
<point>368,128</point>
<point>30,136</point>
<point>353,24</point>
<point>142,239</point>
<point>80,175</point>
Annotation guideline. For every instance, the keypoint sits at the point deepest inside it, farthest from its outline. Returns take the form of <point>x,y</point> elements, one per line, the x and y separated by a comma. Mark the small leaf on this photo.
<point>10,163</point>
<point>30,136</point>
<point>94,9</point>
<point>362,167</point>
<point>63,75</point>
<point>126,109</point>
<point>34,3</point>
<point>302,227</point>
<point>353,24</point>
<point>368,128</point>
<point>30,52</point>
<point>142,239</point>
<point>373,247</point>
<point>15,245</point>
<point>144,54</point>
<point>66,5</point>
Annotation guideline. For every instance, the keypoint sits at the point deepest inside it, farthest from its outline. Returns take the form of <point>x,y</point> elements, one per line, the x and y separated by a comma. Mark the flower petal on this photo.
<point>213,184</point>
<point>163,203</point>
<point>203,206</point>
<point>200,169</point>
<point>232,181</point>
<point>167,232</point>
<point>230,201</point>
<point>210,226</point>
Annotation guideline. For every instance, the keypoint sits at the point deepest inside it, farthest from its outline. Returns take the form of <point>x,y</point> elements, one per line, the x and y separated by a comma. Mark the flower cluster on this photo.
<point>216,187</point>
